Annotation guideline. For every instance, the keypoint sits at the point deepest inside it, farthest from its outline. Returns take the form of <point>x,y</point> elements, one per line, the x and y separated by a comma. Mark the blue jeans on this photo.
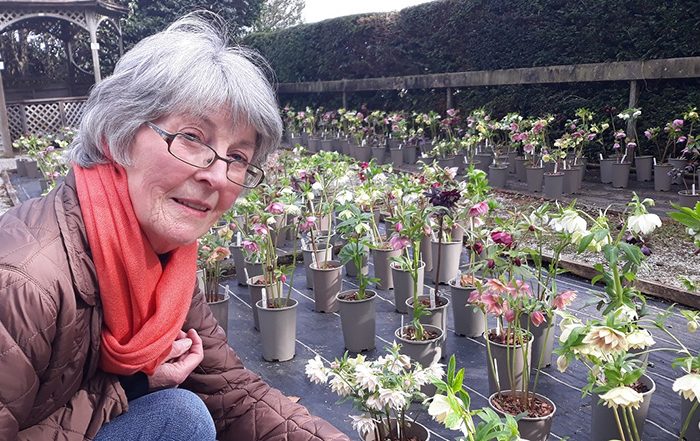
<point>168,414</point>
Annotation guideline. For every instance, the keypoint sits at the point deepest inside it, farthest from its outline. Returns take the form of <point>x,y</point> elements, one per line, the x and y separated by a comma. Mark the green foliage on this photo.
<point>452,36</point>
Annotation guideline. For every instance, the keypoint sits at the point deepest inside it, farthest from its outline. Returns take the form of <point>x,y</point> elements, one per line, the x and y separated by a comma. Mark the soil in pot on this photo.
<point>409,333</point>
<point>513,405</point>
<point>535,423</point>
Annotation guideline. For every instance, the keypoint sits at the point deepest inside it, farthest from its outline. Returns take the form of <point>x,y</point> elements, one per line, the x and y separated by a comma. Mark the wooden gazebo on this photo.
<point>86,14</point>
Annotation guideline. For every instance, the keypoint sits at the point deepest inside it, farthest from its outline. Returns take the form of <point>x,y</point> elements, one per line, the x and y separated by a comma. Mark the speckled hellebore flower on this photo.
<point>606,339</point>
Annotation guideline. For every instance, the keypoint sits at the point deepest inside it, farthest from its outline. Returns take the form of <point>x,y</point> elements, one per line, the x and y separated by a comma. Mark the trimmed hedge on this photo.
<point>452,35</point>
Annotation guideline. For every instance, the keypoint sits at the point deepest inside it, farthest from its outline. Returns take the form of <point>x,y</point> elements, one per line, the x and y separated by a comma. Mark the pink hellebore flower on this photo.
<point>260,229</point>
<point>522,289</point>
<point>283,278</point>
<point>250,246</point>
<point>591,136</point>
<point>492,302</point>
<point>508,313</point>
<point>308,224</point>
<point>479,209</point>
<point>275,208</point>
<point>564,299</point>
<point>677,123</point>
<point>398,227</point>
<point>502,238</point>
<point>681,140</point>
<point>399,242</point>
<point>648,134</point>
<point>537,318</point>
<point>474,297</point>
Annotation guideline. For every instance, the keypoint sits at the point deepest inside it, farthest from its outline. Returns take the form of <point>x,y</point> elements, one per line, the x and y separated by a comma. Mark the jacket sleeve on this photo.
<point>243,406</point>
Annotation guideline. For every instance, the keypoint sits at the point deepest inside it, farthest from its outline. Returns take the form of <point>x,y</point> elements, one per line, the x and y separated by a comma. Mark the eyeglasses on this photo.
<point>194,152</point>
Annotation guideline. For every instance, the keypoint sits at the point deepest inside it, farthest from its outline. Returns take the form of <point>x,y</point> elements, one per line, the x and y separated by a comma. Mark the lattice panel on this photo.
<point>9,17</point>
<point>43,118</point>
<point>14,117</point>
<point>73,111</point>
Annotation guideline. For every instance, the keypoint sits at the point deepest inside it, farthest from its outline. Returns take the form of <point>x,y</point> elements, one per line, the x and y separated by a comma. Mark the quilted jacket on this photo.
<point>50,321</point>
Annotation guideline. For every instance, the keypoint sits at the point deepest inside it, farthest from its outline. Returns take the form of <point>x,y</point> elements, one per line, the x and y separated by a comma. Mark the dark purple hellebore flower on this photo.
<point>443,198</point>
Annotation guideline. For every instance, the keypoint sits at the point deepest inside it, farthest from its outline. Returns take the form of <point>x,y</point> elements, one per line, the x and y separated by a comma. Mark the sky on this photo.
<point>317,10</point>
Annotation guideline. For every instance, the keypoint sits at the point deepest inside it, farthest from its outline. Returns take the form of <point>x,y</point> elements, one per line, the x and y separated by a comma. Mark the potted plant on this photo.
<point>381,390</point>
<point>451,406</point>
<point>535,144</point>
<point>357,306</point>
<point>469,320</point>
<point>662,168</point>
<point>691,153</point>
<point>212,250</point>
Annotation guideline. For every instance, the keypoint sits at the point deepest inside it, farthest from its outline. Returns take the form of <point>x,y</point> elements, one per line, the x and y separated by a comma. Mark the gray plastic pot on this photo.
<point>278,331</point>
<point>542,344</point>
<point>382,270</point>
<point>358,321</point>
<point>530,428</point>
<point>252,269</point>
<point>662,180</point>
<point>621,174</point>
<point>321,255</point>
<point>255,295</point>
<point>534,177</point>
<point>403,285</point>
<point>468,322</point>
<point>603,425</point>
<point>693,430</point>
<point>498,175</point>
<point>424,352</point>
<point>238,263</point>
<point>554,185</point>
<point>642,167</point>
<point>450,253</point>
<point>502,354</point>
<point>327,283</point>
<point>437,316</point>
<point>220,309</point>
<point>520,172</point>
<point>396,156</point>
<point>606,170</point>
<point>412,430</point>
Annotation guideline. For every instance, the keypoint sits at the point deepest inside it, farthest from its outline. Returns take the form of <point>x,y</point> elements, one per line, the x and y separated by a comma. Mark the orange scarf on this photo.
<point>144,302</point>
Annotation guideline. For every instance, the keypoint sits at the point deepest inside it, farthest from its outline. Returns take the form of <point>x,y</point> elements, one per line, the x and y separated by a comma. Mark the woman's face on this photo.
<point>175,203</point>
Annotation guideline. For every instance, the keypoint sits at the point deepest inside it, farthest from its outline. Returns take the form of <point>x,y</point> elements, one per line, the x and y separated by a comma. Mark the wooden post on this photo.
<point>448,100</point>
<point>632,122</point>
<point>345,96</point>
<point>4,121</point>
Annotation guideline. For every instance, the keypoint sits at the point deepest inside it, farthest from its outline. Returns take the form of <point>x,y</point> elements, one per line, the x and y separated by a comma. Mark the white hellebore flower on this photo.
<point>440,409</point>
<point>316,371</point>
<point>344,197</point>
<point>317,187</point>
<point>688,386</point>
<point>644,223</point>
<point>622,396</point>
<point>562,363</point>
<point>286,191</point>
<point>373,402</point>
<point>340,386</point>
<point>640,339</point>
<point>380,178</point>
<point>292,210</point>
<point>363,424</point>
<point>569,222</point>
<point>395,399</point>
<point>366,377</point>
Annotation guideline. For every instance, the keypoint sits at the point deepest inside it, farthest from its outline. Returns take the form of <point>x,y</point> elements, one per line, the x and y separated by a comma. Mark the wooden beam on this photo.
<point>668,68</point>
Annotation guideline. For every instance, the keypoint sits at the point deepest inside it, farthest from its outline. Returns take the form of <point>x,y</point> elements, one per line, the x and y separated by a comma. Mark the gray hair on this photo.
<point>187,69</point>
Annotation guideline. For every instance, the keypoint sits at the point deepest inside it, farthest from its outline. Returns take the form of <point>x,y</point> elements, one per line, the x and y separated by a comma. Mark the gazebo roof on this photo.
<point>103,7</point>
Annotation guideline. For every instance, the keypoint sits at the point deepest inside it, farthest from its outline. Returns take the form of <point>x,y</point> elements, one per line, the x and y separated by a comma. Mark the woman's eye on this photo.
<point>236,157</point>
<point>196,136</point>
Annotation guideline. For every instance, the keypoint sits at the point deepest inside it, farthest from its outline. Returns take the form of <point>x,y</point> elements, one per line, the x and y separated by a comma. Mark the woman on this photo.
<point>100,334</point>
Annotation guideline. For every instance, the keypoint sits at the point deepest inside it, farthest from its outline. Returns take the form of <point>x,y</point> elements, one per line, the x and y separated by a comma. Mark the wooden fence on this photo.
<point>41,116</point>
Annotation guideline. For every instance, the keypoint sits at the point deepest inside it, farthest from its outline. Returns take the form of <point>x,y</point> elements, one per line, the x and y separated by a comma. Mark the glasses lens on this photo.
<point>246,175</point>
<point>191,151</point>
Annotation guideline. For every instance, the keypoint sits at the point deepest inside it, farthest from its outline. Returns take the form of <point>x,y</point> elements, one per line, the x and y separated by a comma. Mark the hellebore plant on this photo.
<point>212,249</point>
<point>382,390</point>
<point>451,406</point>
<point>603,346</point>
<point>355,227</point>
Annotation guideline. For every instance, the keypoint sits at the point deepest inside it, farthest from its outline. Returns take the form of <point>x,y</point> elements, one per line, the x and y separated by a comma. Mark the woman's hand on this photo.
<point>186,354</point>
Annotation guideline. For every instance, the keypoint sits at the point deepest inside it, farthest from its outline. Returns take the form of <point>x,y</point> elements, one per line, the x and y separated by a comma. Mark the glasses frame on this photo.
<point>170,137</point>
